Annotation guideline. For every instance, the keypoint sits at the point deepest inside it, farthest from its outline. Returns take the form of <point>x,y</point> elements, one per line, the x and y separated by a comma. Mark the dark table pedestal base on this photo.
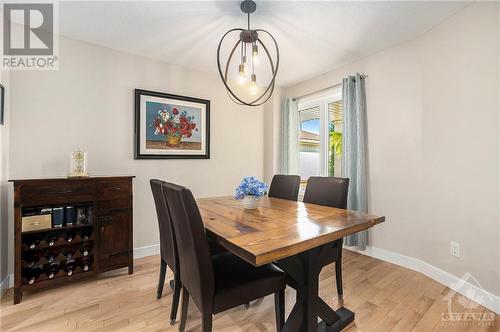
<point>303,275</point>
<point>346,318</point>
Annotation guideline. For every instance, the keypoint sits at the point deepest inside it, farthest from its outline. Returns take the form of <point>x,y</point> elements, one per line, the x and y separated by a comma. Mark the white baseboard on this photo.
<point>5,284</point>
<point>147,251</point>
<point>473,291</point>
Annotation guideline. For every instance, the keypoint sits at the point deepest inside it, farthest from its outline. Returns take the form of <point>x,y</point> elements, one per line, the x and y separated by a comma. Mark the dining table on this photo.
<point>295,236</point>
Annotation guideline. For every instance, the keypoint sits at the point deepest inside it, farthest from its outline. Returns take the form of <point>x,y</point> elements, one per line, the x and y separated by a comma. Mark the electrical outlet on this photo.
<point>455,249</point>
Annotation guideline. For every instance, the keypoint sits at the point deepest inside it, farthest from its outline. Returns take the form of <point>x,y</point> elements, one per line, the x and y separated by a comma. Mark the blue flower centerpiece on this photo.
<point>250,191</point>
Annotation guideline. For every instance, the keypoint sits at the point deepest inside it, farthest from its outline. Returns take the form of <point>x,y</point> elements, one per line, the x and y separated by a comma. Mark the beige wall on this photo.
<point>272,124</point>
<point>433,138</point>
<point>88,103</point>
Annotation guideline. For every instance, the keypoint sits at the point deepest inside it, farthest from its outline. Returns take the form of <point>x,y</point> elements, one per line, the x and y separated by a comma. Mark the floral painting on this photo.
<point>173,126</point>
<point>169,126</point>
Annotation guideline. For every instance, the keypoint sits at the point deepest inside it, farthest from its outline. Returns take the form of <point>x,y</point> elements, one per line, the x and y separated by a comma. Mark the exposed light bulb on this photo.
<point>245,65</point>
<point>253,89</point>
<point>241,74</point>
<point>255,54</point>
<point>253,85</point>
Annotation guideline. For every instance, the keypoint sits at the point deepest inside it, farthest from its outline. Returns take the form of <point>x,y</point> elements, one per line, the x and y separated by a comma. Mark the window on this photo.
<point>320,134</point>
<point>309,142</point>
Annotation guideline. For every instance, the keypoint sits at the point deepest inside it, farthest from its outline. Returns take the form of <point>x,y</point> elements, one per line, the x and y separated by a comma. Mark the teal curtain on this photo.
<point>289,137</point>
<point>354,150</point>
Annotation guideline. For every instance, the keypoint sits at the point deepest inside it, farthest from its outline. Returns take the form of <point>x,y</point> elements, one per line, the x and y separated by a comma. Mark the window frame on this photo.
<point>322,100</point>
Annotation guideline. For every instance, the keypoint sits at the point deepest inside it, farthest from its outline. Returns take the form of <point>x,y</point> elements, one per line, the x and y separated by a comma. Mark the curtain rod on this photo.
<point>324,89</point>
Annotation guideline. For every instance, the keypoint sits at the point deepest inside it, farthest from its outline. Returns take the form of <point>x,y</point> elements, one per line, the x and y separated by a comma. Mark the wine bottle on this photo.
<point>26,273</point>
<point>86,264</point>
<point>32,274</point>
<point>53,268</point>
<point>52,238</point>
<point>52,255</point>
<point>85,235</point>
<point>85,250</point>
<point>26,267</point>
<point>69,236</point>
<point>33,242</point>
<point>70,263</point>
<point>32,258</point>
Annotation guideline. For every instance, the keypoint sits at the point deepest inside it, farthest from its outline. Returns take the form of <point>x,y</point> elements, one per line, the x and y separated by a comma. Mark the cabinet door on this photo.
<point>115,240</point>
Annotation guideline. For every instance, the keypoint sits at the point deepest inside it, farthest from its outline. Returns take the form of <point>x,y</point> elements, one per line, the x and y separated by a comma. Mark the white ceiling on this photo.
<point>313,37</point>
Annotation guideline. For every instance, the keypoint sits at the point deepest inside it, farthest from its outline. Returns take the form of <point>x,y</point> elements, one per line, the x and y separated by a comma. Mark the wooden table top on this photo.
<point>278,228</point>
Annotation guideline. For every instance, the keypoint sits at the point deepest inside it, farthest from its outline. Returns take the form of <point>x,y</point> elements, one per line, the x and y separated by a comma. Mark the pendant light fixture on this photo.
<point>249,52</point>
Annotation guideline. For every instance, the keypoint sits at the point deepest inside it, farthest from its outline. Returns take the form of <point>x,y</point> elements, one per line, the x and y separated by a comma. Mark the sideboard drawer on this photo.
<point>114,189</point>
<point>113,206</point>
<point>53,194</point>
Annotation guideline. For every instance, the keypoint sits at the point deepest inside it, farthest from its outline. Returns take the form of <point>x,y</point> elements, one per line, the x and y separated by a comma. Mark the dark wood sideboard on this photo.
<point>102,240</point>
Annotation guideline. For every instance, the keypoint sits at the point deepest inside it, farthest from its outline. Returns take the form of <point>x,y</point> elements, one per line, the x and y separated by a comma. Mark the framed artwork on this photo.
<point>171,127</point>
<point>2,104</point>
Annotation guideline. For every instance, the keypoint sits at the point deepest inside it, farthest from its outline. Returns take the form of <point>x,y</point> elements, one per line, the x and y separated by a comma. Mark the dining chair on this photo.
<point>220,282</point>
<point>168,248</point>
<point>285,187</point>
<point>330,191</point>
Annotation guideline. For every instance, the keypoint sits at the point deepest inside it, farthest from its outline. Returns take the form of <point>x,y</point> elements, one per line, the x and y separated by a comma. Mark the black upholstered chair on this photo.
<point>285,187</point>
<point>215,283</point>
<point>168,248</point>
<point>330,191</point>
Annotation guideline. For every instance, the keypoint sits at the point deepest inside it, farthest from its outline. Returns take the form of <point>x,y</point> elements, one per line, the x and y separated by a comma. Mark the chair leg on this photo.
<point>338,275</point>
<point>279,308</point>
<point>184,309</point>
<point>207,322</point>
<point>161,281</point>
<point>175,300</point>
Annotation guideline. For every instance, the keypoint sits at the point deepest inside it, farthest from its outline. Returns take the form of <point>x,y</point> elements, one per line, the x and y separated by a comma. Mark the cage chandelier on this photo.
<point>247,51</point>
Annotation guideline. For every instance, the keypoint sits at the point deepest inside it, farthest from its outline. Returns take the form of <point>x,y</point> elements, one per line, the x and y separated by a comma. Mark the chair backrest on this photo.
<point>328,191</point>
<point>285,187</point>
<point>168,247</point>
<point>194,254</point>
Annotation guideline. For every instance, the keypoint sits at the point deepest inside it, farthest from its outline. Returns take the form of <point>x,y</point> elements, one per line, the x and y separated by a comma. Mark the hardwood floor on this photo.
<point>383,296</point>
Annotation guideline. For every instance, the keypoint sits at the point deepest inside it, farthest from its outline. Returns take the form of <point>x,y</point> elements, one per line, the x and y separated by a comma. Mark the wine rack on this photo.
<point>69,229</point>
<point>69,252</point>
